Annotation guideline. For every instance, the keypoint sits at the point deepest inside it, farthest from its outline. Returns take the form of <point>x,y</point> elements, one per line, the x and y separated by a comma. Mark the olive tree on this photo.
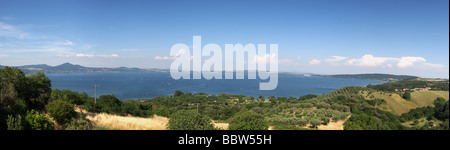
<point>189,120</point>
<point>248,120</point>
<point>61,111</point>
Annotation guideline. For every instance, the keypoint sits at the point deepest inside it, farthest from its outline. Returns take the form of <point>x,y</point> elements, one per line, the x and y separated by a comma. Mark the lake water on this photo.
<point>152,84</point>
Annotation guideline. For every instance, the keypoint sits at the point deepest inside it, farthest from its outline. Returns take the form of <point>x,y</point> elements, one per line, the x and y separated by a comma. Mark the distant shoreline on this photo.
<point>68,68</point>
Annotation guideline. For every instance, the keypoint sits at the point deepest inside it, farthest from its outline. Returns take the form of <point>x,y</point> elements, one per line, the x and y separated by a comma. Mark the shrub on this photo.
<point>325,120</point>
<point>61,111</point>
<point>37,121</point>
<point>14,123</point>
<point>189,120</point>
<point>136,108</point>
<point>248,120</point>
<point>161,111</point>
<point>109,103</point>
<point>300,121</point>
<point>315,122</point>
<point>407,96</point>
<point>105,103</point>
<point>80,123</point>
<point>70,96</point>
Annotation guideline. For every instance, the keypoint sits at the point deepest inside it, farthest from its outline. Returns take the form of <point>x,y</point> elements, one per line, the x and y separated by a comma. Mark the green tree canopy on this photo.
<point>37,121</point>
<point>61,111</point>
<point>70,96</point>
<point>19,92</point>
<point>248,120</point>
<point>38,91</point>
<point>189,120</point>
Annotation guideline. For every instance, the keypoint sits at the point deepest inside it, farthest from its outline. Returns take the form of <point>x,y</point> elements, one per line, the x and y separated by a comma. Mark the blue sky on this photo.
<point>328,37</point>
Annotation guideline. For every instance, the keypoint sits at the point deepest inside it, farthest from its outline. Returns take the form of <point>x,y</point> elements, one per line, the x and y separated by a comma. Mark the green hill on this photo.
<point>375,76</point>
<point>73,68</point>
<point>397,105</point>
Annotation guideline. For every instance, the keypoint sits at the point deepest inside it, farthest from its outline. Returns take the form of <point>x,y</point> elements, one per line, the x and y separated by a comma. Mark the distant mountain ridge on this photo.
<point>374,76</point>
<point>73,68</point>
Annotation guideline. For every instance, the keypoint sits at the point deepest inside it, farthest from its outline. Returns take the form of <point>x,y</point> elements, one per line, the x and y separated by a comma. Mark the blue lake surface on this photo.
<point>152,84</point>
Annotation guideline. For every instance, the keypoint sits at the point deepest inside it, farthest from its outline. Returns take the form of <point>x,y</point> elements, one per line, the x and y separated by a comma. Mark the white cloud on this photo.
<point>433,65</point>
<point>315,62</point>
<point>4,55</point>
<point>67,43</point>
<point>181,52</point>
<point>11,31</point>
<point>368,61</point>
<point>128,50</point>
<point>372,61</point>
<point>336,59</point>
<point>389,66</point>
<point>21,41</point>
<point>164,58</point>
<point>84,55</point>
<point>264,59</point>
<point>98,56</point>
<point>409,61</point>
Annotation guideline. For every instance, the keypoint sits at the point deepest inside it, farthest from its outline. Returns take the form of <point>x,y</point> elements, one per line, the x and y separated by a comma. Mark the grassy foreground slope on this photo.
<point>426,98</point>
<point>398,105</point>
<point>394,102</point>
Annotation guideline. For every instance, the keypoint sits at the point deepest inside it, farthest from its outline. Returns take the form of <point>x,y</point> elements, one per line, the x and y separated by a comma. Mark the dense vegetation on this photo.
<point>26,99</point>
<point>61,111</point>
<point>248,120</point>
<point>19,94</point>
<point>189,120</point>
<point>438,113</point>
<point>411,84</point>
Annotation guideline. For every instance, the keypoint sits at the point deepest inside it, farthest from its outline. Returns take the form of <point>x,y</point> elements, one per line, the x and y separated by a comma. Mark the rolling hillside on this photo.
<point>397,105</point>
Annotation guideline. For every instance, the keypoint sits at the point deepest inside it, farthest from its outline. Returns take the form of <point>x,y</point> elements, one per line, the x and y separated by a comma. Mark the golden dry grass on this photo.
<point>395,103</point>
<point>115,122</point>
<point>223,126</point>
<point>339,125</point>
<point>426,98</point>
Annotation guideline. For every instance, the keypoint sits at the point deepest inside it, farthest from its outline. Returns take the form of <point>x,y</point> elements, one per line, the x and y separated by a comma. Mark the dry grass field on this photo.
<point>397,105</point>
<point>223,126</point>
<point>426,98</point>
<point>115,122</point>
<point>339,125</point>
